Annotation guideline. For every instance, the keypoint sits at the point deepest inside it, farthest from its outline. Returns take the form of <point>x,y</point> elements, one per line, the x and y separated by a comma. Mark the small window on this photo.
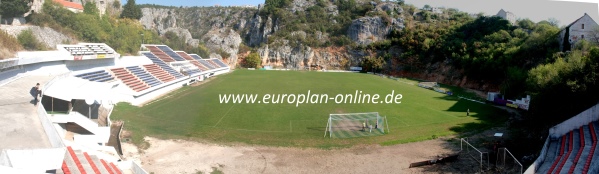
<point>582,26</point>
<point>582,36</point>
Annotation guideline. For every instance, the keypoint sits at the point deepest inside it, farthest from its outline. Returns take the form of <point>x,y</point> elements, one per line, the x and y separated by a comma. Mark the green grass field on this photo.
<point>195,113</point>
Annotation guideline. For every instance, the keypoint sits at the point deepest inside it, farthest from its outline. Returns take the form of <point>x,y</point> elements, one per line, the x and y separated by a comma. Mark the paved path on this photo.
<point>20,127</point>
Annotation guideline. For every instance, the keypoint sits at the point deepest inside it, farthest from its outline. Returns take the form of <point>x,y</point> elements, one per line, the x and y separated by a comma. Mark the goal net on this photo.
<point>352,125</point>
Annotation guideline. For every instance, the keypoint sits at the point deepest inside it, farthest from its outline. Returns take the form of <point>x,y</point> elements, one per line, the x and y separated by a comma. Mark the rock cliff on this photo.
<point>225,28</point>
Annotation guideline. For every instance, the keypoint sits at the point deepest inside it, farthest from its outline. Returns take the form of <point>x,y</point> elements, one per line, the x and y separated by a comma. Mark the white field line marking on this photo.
<point>221,118</point>
<point>401,121</point>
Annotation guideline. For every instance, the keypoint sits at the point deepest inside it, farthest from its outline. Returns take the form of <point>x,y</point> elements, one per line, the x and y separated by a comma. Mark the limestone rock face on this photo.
<point>223,29</point>
<point>367,30</point>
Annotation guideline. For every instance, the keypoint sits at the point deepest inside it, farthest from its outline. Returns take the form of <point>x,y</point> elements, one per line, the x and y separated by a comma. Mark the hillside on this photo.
<point>484,53</point>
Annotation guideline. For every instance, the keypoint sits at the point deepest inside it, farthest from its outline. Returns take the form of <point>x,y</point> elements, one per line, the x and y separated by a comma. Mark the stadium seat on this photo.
<point>185,55</point>
<point>205,63</point>
<point>75,159</point>
<point>220,63</point>
<point>566,157</point>
<point>559,156</point>
<point>212,63</point>
<point>580,149</point>
<point>593,129</point>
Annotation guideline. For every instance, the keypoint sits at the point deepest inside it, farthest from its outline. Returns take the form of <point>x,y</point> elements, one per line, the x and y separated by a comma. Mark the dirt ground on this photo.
<point>180,156</point>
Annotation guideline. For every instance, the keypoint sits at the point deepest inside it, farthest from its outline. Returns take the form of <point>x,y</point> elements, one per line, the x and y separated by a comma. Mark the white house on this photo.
<point>509,16</point>
<point>581,28</point>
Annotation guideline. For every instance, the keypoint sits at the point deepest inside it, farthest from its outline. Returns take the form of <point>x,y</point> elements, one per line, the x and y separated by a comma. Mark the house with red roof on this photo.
<point>69,4</point>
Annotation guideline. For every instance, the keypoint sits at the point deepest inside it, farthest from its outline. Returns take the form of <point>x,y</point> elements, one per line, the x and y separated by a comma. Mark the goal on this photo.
<point>350,125</point>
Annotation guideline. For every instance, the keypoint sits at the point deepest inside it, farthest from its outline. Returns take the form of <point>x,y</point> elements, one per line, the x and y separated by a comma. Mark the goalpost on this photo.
<point>482,158</point>
<point>350,125</point>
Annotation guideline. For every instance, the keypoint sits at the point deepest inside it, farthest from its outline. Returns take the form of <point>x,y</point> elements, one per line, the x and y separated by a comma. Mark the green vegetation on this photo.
<point>8,45</point>
<point>374,64</point>
<point>195,112</point>
<point>124,35</point>
<point>13,8</point>
<point>29,42</point>
<point>566,86</point>
<point>252,61</point>
<point>315,20</point>
<point>131,10</point>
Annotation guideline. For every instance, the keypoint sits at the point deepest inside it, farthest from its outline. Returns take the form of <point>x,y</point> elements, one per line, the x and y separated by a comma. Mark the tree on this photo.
<point>131,11</point>
<point>400,2</point>
<point>90,8</point>
<point>595,35</point>
<point>554,22</point>
<point>13,8</point>
<point>252,61</point>
<point>373,63</point>
<point>426,7</point>
<point>525,23</point>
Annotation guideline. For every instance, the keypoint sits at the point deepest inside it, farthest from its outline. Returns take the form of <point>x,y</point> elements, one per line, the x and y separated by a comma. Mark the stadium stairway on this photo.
<point>78,162</point>
<point>575,152</point>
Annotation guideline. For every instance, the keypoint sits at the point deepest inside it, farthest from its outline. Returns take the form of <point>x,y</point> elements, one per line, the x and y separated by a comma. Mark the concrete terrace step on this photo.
<point>96,161</point>
<point>588,141</point>
<point>573,151</point>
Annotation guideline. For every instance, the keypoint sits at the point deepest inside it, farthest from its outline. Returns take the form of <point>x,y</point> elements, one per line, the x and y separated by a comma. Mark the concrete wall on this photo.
<point>136,168</point>
<point>584,118</point>
<point>4,161</point>
<point>53,135</point>
<point>576,31</point>
<point>40,159</point>
<point>132,61</point>
<point>532,169</point>
<point>158,92</point>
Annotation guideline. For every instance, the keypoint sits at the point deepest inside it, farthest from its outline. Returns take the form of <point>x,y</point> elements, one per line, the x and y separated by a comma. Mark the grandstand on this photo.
<point>81,84</point>
<point>571,146</point>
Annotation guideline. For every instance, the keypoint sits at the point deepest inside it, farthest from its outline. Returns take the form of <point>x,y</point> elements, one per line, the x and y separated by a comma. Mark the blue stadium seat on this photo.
<point>220,63</point>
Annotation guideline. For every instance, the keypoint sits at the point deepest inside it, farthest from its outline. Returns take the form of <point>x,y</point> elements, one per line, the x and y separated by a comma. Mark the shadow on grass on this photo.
<point>486,116</point>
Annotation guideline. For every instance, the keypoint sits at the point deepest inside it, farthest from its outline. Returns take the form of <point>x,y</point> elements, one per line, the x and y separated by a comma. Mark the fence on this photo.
<point>481,157</point>
<point>506,162</point>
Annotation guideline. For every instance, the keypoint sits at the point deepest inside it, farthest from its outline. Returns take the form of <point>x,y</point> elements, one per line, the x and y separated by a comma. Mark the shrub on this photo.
<point>29,42</point>
<point>8,45</point>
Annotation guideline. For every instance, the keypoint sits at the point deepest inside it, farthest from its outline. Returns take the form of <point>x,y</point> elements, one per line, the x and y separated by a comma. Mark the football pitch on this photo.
<point>197,113</point>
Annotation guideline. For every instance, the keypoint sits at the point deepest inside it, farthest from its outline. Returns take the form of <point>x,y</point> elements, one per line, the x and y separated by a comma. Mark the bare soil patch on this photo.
<point>181,156</point>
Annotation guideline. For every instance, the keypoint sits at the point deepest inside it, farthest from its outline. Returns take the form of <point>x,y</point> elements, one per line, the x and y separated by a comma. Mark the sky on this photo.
<point>565,11</point>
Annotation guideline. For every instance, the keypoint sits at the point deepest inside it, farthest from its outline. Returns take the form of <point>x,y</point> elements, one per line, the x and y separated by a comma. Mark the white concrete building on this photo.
<point>509,16</point>
<point>581,28</point>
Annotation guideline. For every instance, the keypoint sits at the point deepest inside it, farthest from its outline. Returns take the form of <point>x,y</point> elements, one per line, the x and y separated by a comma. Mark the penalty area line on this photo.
<point>401,121</point>
<point>221,118</point>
